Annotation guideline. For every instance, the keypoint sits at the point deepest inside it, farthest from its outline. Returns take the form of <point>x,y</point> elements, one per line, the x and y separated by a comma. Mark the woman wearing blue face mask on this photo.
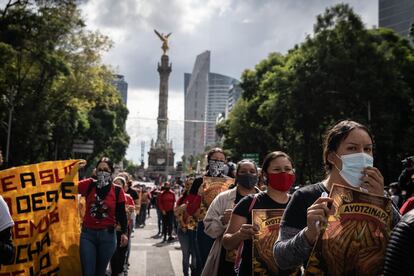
<point>218,216</point>
<point>348,159</point>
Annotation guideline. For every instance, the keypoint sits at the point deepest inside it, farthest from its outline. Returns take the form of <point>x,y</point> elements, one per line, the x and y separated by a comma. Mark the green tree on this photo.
<point>54,84</point>
<point>130,167</point>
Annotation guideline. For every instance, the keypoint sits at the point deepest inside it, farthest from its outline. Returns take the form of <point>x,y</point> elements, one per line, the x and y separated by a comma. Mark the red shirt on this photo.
<point>194,203</point>
<point>183,199</point>
<point>166,201</point>
<point>129,200</point>
<point>101,215</point>
<point>408,205</point>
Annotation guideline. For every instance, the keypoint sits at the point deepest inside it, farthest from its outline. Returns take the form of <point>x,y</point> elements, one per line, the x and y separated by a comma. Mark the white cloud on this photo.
<point>196,12</point>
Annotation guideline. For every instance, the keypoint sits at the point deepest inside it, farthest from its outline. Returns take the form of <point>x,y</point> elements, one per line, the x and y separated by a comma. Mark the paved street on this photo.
<point>149,256</point>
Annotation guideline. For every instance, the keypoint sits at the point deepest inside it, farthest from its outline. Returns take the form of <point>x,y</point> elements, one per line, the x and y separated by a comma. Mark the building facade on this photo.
<point>234,94</point>
<point>397,15</point>
<point>196,86</point>
<point>122,86</point>
<point>217,102</point>
<point>206,97</point>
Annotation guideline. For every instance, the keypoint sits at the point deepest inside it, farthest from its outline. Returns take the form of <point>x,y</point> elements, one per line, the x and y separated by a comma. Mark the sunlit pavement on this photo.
<point>150,256</point>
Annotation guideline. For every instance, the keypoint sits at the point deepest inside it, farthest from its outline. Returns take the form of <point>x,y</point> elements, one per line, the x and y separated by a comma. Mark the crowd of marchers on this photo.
<point>220,235</point>
<point>219,240</point>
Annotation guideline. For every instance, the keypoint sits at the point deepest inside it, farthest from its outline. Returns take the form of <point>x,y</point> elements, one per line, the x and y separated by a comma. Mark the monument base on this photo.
<point>160,163</point>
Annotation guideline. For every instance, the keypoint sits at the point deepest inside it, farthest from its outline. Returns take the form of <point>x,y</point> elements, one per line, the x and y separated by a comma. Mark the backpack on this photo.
<point>117,191</point>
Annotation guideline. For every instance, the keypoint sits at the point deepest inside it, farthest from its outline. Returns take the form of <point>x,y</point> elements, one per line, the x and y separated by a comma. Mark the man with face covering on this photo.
<point>218,216</point>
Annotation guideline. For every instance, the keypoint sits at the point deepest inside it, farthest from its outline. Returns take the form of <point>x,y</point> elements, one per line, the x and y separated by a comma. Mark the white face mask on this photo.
<point>215,167</point>
<point>104,178</point>
<point>352,166</point>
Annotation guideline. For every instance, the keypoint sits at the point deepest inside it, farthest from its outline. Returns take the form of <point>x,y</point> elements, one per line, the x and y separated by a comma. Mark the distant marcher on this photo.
<point>132,192</point>
<point>131,214</point>
<point>166,202</point>
<point>395,193</point>
<point>406,178</point>
<point>145,200</point>
<point>149,203</point>
<point>231,168</point>
<point>154,201</point>
<point>186,235</point>
<point>118,259</point>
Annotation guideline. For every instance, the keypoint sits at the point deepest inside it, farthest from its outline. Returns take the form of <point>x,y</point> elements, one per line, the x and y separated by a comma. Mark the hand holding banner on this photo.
<point>356,236</point>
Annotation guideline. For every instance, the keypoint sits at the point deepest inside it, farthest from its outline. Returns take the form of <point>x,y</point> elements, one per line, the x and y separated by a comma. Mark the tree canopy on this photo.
<point>55,86</point>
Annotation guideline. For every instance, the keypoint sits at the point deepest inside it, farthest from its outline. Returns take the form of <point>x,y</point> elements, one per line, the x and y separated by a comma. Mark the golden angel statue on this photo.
<point>164,39</point>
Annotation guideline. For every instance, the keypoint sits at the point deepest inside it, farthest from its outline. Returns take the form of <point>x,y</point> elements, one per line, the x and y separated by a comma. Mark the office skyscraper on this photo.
<point>206,96</point>
<point>397,15</point>
<point>218,94</point>
<point>234,94</point>
<point>122,86</point>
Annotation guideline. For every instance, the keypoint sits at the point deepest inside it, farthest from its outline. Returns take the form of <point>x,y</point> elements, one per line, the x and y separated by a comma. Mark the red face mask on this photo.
<point>281,181</point>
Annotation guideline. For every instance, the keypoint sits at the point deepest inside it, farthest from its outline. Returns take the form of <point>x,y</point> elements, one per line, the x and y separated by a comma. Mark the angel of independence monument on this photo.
<point>161,155</point>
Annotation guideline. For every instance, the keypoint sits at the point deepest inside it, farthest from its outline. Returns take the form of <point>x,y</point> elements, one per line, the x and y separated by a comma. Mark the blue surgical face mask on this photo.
<point>352,167</point>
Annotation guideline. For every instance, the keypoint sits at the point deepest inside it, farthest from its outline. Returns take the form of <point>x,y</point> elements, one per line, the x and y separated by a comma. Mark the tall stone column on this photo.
<point>161,155</point>
<point>164,69</point>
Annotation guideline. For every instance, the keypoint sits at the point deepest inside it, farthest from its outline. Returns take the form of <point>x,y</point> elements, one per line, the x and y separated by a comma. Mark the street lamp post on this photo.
<point>167,152</point>
<point>11,109</point>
